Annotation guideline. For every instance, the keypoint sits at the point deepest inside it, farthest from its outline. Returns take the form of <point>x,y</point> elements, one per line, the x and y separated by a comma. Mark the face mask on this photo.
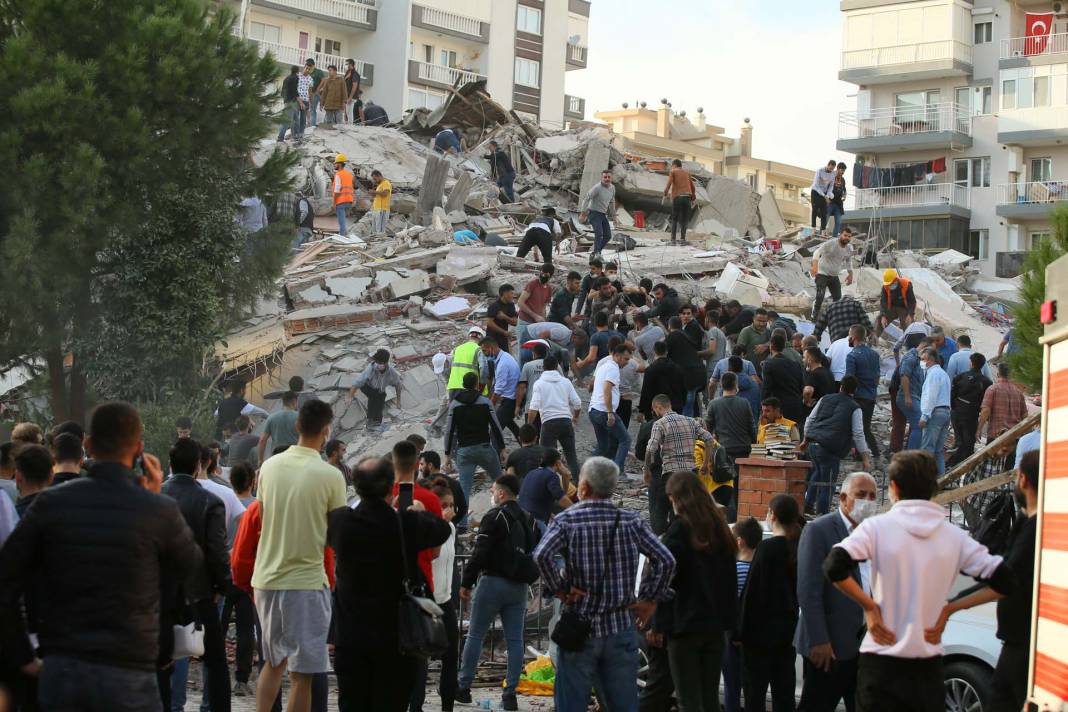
<point>864,508</point>
<point>925,366</point>
<point>543,278</point>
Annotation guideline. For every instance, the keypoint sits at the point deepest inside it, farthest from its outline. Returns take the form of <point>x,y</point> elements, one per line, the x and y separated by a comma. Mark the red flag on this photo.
<point>1039,26</point>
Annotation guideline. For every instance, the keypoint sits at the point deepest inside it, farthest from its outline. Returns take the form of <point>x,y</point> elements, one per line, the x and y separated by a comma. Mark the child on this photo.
<point>748,534</point>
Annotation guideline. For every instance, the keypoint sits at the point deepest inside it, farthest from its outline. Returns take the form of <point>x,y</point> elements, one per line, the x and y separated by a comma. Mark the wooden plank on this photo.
<point>1011,435</point>
<point>987,483</point>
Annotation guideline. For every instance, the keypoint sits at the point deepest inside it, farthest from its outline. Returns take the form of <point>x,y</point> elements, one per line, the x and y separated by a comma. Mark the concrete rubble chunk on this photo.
<point>458,194</point>
<point>432,188</point>
<point>771,220</point>
<point>596,162</point>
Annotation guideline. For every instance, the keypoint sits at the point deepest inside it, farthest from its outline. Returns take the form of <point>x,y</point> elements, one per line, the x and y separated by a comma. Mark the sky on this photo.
<point>774,61</point>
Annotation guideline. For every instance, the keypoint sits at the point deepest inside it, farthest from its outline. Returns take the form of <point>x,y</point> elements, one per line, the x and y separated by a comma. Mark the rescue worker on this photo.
<point>465,358</point>
<point>344,189</point>
<point>897,300</point>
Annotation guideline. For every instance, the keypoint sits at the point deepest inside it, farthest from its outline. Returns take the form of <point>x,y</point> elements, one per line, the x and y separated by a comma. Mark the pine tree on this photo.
<point>1026,362</point>
<point>125,144</point>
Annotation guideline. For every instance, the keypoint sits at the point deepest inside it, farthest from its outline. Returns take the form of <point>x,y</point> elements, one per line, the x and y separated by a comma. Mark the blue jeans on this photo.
<point>505,183</point>
<point>303,235</point>
<point>835,211</point>
<point>71,684</point>
<point>732,676</point>
<point>495,596</point>
<point>693,405</point>
<point>342,225</point>
<point>912,415</point>
<point>934,435</point>
<point>467,458</point>
<point>821,478</point>
<point>605,434</point>
<point>179,684</point>
<point>602,230</point>
<point>292,115</point>
<point>609,663</point>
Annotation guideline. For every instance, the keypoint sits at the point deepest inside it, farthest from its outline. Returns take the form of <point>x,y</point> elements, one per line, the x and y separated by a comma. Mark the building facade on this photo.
<point>960,124</point>
<point>409,54</point>
<point>664,133</point>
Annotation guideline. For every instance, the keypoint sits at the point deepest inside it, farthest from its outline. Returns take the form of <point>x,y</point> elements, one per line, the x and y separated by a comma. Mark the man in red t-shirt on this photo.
<point>536,295</point>
<point>405,467</point>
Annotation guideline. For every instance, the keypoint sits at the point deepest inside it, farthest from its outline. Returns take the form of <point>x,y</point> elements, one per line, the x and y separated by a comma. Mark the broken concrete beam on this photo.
<point>460,191</point>
<point>430,192</point>
<point>597,154</point>
<point>340,316</point>
<point>417,281</point>
<point>771,219</point>
<point>416,259</point>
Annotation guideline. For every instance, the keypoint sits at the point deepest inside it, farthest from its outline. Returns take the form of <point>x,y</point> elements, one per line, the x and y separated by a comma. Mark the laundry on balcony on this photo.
<point>867,175</point>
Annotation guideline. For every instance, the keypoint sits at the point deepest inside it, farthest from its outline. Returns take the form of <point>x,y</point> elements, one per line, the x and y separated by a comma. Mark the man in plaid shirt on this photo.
<point>838,316</point>
<point>675,436</point>
<point>600,586</point>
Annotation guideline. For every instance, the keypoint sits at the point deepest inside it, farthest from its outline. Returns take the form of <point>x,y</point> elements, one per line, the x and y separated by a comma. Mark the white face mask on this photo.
<point>864,508</point>
<point>925,365</point>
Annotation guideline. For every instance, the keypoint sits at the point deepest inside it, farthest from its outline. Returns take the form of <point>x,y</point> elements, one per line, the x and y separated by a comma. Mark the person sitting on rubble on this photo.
<point>372,382</point>
<point>897,300</point>
<point>540,233</point>
<point>502,170</point>
<point>374,115</point>
<point>449,141</point>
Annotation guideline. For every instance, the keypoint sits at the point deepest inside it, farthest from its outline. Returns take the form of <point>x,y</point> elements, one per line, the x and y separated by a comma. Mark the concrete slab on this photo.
<point>350,288</point>
<point>597,154</point>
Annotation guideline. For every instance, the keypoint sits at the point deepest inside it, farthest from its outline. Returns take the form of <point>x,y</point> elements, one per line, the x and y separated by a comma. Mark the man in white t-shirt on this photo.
<point>604,399</point>
<point>838,353</point>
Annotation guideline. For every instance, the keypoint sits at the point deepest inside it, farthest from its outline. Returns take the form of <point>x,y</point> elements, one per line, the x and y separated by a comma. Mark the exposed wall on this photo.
<point>554,33</point>
<point>387,47</point>
<point>500,59</point>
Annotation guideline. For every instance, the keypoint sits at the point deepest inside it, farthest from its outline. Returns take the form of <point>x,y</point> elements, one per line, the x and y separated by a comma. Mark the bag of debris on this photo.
<point>623,242</point>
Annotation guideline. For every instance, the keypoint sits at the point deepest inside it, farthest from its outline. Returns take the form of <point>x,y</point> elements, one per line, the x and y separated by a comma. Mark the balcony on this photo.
<point>574,107</point>
<point>344,12</point>
<point>450,23</point>
<point>927,199</point>
<point>439,76</point>
<point>1033,125</point>
<point>288,56</point>
<point>1030,201</point>
<point>943,126</point>
<point>908,62</point>
<point>579,7</point>
<point>1031,51</point>
<point>576,56</point>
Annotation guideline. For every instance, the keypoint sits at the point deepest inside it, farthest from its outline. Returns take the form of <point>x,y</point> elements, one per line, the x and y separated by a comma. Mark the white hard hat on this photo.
<point>439,362</point>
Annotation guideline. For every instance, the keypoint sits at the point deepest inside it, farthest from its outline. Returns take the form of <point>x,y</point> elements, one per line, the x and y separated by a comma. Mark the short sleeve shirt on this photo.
<point>433,505</point>
<point>281,428</point>
<point>540,492</point>
<point>497,311</point>
<point>525,459</point>
<point>561,305</point>
<point>381,202</point>
<point>538,295</point>
<point>607,372</point>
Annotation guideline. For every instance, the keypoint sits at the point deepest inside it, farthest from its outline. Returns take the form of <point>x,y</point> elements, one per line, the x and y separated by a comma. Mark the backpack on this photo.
<point>624,242</point>
<point>522,567</point>
<point>996,524</point>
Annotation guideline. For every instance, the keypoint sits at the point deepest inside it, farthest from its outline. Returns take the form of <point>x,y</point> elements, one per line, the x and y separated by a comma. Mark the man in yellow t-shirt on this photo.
<point>771,414</point>
<point>380,207</point>
<point>297,490</point>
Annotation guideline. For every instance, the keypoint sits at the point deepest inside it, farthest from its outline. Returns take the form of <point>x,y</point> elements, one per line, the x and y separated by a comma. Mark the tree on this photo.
<point>1026,362</point>
<point>126,142</point>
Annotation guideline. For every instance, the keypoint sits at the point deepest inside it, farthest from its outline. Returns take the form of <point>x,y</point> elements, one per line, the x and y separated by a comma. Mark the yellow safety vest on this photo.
<point>464,359</point>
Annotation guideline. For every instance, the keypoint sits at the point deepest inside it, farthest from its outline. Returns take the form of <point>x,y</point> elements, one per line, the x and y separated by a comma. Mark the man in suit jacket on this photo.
<point>828,632</point>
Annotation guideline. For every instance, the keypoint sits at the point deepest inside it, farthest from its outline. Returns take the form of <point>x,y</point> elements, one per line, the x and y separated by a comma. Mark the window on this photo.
<point>424,98</point>
<point>916,106</point>
<point>527,72</point>
<point>1008,94</point>
<point>1041,169</point>
<point>528,19</point>
<point>963,98</point>
<point>752,179</point>
<point>972,172</point>
<point>426,53</point>
<point>982,102</point>
<point>448,58</point>
<point>328,46</point>
<point>1035,239</point>
<point>1041,91</point>
<point>265,33</point>
<point>984,32</point>
<point>979,244</point>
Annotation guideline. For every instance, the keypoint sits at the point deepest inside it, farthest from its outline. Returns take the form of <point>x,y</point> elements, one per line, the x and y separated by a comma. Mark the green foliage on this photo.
<point>124,160</point>
<point>1026,363</point>
<point>159,417</point>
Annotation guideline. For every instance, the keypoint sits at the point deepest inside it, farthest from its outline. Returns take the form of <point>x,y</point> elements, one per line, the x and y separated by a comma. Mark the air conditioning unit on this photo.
<point>1058,8</point>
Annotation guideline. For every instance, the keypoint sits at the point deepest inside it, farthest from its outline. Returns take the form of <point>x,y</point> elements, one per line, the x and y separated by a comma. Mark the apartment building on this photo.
<point>664,133</point>
<point>410,53</point>
<point>956,86</point>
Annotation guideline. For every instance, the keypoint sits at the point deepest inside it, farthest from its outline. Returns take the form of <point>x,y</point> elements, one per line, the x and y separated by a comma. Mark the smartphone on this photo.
<point>139,469</point>
<point>405,495</point>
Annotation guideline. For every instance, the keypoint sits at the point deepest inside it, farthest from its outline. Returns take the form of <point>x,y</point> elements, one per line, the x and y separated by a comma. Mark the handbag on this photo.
<point>573,629</point>
<point>188,641</point>
<point>420,621</point>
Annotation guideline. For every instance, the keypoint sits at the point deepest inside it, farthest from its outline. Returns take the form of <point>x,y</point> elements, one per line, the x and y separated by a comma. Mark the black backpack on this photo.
<point>997,522</point>
<point>522,567</point>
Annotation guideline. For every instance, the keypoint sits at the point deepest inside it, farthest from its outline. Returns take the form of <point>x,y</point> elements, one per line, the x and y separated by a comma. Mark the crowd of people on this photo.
<point>117,568</point>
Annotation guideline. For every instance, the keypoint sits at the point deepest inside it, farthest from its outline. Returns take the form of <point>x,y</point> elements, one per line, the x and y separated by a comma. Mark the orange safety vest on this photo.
<point>905,285</point>
<point>343,186</point>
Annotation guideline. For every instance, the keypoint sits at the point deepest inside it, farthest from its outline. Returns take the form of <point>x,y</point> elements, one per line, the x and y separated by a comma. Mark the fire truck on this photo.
<point>1047,682</point>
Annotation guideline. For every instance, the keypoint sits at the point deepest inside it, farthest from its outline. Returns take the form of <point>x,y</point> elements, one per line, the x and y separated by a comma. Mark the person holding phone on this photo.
<point>406,492</point>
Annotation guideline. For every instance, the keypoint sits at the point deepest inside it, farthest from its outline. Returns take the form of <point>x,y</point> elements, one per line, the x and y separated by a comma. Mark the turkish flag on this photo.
<point>1039,27</point>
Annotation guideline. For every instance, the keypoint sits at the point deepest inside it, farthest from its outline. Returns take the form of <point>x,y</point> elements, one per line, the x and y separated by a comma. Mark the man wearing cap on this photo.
<point>344,189</point>
<point>540,234</point>
<point>502,171</point>
<point>465,358</point>
<point>373,382</point>
<point>897,300</point>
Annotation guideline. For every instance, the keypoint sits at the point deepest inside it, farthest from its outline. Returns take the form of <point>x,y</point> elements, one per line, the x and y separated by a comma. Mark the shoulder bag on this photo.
<point>573,629</point>
<point>420,623</point>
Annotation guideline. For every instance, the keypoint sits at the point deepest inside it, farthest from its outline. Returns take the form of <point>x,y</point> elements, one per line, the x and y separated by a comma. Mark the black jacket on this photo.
<point>785,379</point>
<point>665,308</point>
<point>968,390</point>
<point>206,516</point>
<point>641,443</point>
<point>739,321</point>
<point>289,88</point>
<point>369,569</point>
<point>229,410</point>
<point>495,546</point>
<point>769,601</point>
<point>683,353</point>
<point>662,376</point>
<point>500,163</point>
<point>705,585</point>
<point>472,421</point>
<point>101,543</point>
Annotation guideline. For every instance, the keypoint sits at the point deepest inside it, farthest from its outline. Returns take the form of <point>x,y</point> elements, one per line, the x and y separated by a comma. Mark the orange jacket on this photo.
<point>906,297</point>
<point>246,541</point>
<point>343,186</point>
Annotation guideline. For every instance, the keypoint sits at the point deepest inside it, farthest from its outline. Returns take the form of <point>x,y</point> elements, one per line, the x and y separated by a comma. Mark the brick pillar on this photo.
<point>760,479</point>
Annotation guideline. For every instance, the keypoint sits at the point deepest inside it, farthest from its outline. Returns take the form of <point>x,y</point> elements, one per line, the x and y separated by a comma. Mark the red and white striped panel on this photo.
<point>1049,659</point>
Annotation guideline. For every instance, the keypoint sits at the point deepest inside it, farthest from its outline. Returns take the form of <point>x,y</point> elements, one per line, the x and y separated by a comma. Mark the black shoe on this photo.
<point>463,697</point>
<point>508,701</point>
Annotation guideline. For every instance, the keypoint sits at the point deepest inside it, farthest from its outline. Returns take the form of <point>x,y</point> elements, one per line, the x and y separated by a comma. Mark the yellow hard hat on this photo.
<point>889,276</point>
<point>341,158</point>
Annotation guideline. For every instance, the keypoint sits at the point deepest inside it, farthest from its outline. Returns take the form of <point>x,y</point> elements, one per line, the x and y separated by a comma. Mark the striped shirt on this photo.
<point>742,567</point>
<point>581,535</point>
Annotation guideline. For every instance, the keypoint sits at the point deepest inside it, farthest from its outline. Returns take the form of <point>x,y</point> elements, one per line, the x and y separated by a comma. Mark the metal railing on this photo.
<point>898,121</point>
<point>908,196</point>
<point>444,75</point>
<point>341,9</point>
<point>576,52</point>
<point>296,55</point>
<point>1044,191</point>
<point>451,21</point>
<point>906,54</point>
<point>1034,46</point>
